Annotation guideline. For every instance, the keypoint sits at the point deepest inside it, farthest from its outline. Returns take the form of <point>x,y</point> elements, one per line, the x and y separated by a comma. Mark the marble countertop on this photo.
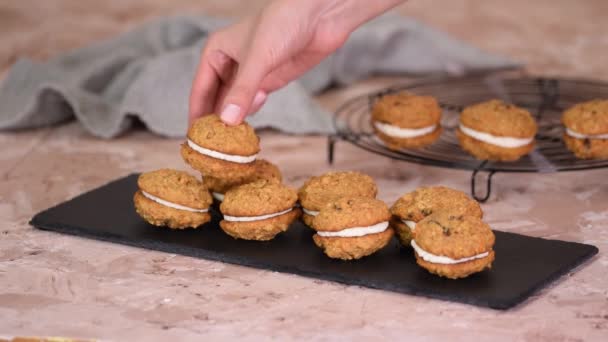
<point>52,284</point>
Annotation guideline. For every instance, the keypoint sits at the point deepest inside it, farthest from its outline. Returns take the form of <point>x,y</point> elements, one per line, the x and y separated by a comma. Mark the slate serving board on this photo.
<point>523,264</point>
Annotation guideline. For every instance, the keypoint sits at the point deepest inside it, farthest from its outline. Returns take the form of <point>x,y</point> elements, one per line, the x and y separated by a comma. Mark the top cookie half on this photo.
<point>499,119</point>
<point>407,110</point>
<point>331,186</point>
<point>212,133</point>
<point>588,118</point>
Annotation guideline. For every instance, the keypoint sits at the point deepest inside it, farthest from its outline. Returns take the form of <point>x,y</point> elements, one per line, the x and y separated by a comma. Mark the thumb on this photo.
<point>244,93</point>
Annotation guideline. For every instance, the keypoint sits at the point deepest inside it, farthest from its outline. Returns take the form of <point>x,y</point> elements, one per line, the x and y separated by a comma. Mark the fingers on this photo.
<point>215,68</point>
<point>244,93</point>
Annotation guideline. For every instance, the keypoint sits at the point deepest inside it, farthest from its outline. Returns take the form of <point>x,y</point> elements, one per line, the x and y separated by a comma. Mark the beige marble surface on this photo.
<point>60,285</point>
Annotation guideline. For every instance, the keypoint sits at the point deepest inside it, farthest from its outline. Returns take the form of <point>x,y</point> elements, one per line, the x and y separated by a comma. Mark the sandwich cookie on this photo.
<point>329,187</point>
<point>173,199</point>
<point>263,169</point>
<point>258,210</point>
<point>453,246</point>
<point>586,129</point>
<point>405,120</point>
<point>352,227</point>
<point>495,130</point>
<point>219,150</point>
<point>412,207</point>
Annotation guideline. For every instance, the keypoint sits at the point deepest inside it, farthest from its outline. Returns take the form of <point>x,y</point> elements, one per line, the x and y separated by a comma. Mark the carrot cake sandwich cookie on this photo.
<point>173,199</point>
<point>494,130</point>
<point>352,227</point>
<point>453,246</point>
<point>263,169</point>
<point>586,129</point>
<point>329,187</point>
<point>413,207</point>
<point>220,150</point>
<point>404,120</point>
<point>259,210</point>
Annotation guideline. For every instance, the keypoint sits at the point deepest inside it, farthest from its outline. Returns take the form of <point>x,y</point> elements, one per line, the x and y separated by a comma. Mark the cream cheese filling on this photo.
<point>171,204</point>
<point>507,142</point>
<point>357,231</point>
<point>219,155</point>
<point>310,212</point>
<point>400,132</point>
<point>578,135</point>
<point>411,224</point>
<point>439,259</point>
<point>218,196</point>
<point>255,218</point>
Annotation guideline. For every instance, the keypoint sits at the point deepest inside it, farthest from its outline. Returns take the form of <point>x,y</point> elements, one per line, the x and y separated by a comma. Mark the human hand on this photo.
<point>243,63</point>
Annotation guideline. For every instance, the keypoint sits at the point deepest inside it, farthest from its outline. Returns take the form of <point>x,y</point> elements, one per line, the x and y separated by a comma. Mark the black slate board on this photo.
<point>523,264</point>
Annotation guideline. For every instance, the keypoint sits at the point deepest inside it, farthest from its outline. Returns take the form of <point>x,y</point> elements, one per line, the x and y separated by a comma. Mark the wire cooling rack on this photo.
<point>545,98</point>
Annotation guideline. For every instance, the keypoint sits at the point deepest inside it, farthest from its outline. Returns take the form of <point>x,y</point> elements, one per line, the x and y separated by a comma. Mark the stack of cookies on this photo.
<point>445,228</point>
<point>342,208</point>
<point>254,202</point>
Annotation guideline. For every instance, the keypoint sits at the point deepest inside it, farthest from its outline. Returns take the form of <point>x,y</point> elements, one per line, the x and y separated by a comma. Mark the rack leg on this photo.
<point>331,142</point>
<point>486,196</point>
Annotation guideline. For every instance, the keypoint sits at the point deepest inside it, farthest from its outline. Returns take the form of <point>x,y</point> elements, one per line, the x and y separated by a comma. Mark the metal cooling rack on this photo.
<point>546,98</point>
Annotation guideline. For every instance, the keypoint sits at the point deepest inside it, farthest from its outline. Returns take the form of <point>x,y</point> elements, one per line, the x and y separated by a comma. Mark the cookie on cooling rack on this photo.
<point>586,129</point>
<point>453,246</point>
<point>413,207</point>
<point>263,169</point>
<point>173,199</point>
<point>259,210</point>
<point>352,227</point>
<point>405,120</point>
<point>219,150</point>
<point>331,186</point>
<point>494,130</point>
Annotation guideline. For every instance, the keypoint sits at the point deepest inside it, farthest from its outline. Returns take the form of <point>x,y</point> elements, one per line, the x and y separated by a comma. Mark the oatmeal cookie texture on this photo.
<point>173,199</point>
<point>405,120</point>
<point>494,130</point>
<point>331,186</point>
<point>259,210</point>
<point>586,129</point>
<point>219,150</point>
<point>352,227</point>
<point>414,206</point>
<point>263,169</point>
<point>453,246</point>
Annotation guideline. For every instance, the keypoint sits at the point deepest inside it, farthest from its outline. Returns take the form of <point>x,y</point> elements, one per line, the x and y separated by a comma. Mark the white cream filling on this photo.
<point>357,231</point>
<point>310,212</point>
<point>410,224</point>
<point>218,196</point>
<point>254,218</point>
<point>171,204</point>
<point>438,259</point>
<point>223,156</point>
<point>399,132</point>
<point>507,142</point>
<point>578,135</point>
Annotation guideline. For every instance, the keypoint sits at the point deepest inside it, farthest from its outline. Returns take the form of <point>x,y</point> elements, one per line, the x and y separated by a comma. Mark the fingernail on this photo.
<point>258,100</point>
<point>231,114</point>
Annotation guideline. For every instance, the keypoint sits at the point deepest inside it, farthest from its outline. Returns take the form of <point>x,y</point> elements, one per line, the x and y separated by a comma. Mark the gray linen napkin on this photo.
<point>147,73</point>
